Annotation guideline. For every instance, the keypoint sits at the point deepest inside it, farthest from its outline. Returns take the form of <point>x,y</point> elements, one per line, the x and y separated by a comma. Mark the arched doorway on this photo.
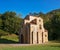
<point>22,38</point>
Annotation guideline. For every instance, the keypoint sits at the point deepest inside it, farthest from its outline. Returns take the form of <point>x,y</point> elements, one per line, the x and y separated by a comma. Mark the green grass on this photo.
<point>51,46</point>
<point>9,39</point>
<point>6,37</point>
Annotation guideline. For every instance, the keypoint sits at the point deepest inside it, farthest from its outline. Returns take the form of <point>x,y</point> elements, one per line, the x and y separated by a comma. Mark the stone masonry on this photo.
<point>32,31</point>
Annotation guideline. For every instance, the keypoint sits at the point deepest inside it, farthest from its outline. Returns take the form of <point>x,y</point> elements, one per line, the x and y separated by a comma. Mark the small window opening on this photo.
<point>40,27</point>
<point>45,35</point>
<point>39,20</point>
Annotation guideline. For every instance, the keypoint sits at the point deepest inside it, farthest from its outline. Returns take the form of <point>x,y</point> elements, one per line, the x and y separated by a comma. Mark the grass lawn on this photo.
<point>6,43</point>
<point>9,39</point>
<point>51,46</point>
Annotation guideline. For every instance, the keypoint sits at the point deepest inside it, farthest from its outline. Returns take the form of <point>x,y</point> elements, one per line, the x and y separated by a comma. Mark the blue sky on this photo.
<point>24,7</point>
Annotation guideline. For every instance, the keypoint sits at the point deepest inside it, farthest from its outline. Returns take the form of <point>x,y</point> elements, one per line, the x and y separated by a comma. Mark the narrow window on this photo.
<point>22,38</point>
<point>37,37</point>
<point>42,37</point>
<point>32,37</point>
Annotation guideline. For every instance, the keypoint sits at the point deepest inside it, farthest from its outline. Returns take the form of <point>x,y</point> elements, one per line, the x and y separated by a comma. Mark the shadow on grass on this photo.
<point>55,46</point>
<point>6,41</point>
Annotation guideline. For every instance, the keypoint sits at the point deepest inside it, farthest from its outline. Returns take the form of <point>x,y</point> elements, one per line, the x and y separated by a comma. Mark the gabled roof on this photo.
<point>27,17</point>
<point>33,21</point>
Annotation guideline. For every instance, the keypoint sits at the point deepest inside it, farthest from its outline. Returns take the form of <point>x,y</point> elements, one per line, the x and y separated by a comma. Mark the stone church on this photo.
<point>32,31</point>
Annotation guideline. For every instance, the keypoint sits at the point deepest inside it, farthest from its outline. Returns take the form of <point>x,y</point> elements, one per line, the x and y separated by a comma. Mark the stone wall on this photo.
<point>33,31</point>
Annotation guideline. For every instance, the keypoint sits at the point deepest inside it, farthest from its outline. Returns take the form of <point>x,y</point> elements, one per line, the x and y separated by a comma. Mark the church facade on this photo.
<point>32,31</point>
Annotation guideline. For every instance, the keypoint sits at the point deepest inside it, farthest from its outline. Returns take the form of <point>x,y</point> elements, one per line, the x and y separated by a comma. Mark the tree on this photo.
<point>10,22</point>
<point>55,23</point>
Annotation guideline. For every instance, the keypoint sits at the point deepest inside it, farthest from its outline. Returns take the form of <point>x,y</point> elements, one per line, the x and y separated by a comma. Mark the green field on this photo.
<point>8,43</point>
<point>9,39</point>
<point>51,46</point>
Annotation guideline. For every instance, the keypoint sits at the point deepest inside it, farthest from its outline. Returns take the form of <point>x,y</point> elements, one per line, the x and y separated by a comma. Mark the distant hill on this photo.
<point>54,11</point>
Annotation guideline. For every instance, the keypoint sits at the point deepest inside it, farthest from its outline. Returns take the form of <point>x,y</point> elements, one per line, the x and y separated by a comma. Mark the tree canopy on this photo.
<point>10,22</point>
